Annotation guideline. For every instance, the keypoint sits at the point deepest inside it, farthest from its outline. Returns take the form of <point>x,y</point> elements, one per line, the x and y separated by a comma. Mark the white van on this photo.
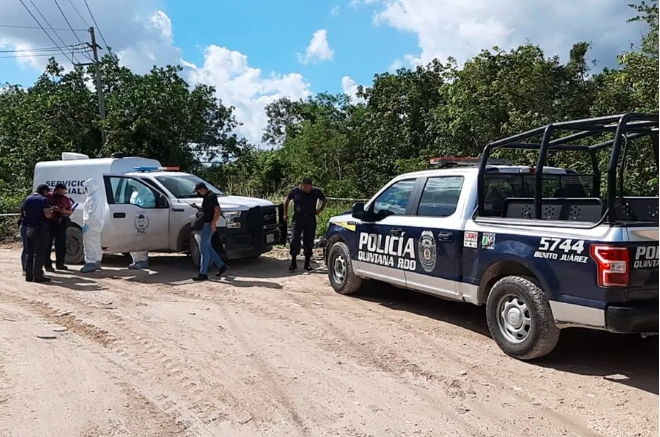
<point>249,227</point>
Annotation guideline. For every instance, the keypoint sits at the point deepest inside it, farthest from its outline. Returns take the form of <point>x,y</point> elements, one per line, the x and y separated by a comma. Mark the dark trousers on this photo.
<point>57,236</point>
<point>37,251</point>
<point>306,227</point>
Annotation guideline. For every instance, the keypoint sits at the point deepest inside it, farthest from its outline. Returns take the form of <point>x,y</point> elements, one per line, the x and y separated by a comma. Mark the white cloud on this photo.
<point>246,88</point>
<point>318,49</point>
<point>334,11</point>
<point>141,35</point>
<point>349,87</point>
<point>461,28</point>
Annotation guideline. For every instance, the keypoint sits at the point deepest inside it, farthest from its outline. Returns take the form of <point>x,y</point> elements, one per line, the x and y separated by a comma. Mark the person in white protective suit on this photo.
<point>141,197</point>
<point>95,212</point>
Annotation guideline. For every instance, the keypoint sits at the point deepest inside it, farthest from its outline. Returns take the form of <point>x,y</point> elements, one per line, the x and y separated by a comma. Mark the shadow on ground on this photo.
<point>624,359</point>
<point>176,270</point>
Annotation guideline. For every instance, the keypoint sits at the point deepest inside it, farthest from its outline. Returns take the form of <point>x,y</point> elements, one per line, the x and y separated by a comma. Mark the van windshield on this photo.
<point>183,187</point>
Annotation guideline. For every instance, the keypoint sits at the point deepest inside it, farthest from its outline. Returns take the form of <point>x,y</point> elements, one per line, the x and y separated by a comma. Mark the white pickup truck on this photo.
<point>248,228</point>
<point>542,247</point>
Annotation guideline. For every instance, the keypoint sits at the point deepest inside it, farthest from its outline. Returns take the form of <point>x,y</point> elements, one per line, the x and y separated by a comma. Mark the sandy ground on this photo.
<point>266,353</point>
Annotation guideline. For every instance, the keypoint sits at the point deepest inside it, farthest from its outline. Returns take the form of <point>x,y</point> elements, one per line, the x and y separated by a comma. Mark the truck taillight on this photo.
<point>612,265</point>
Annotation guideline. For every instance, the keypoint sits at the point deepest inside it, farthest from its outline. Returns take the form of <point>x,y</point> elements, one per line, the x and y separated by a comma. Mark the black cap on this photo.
<point>200,186</point>
<point>307,181</point>
<point>60,186</point>
<point>43,188</point>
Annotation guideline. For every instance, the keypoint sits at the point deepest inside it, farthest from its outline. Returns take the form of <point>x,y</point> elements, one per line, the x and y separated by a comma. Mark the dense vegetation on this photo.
<point>350,147</point>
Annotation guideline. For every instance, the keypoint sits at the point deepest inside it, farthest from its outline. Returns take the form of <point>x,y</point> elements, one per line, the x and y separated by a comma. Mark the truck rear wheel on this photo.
<point>75,253</point>
<point>340,270</point>
<point>520,319</point>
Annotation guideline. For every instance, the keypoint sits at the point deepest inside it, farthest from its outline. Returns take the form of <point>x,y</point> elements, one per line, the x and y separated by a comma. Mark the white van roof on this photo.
<point>74,168</point>
<point>104,165</point>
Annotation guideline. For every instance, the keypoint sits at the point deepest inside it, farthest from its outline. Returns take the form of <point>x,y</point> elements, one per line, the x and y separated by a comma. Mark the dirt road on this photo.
<point>266,353</point>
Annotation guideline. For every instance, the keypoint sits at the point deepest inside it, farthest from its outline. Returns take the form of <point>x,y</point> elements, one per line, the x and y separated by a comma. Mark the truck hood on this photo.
<point>233,203</point>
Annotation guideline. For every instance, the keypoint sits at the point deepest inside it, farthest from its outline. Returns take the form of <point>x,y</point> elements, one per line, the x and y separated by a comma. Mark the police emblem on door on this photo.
<point>426,251</point>
<point>141,224</point>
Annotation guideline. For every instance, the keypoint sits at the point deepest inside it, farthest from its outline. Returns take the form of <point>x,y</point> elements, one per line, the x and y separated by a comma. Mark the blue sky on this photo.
<point>253,51</point>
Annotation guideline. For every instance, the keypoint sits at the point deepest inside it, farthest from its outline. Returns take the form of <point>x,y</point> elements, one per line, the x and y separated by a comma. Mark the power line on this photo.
<point>46,49</point>
<point>42,28</point>
<point>70,27</point>
<point>96,24</point>
<point>79,14</point>
<point>73,58</point>
<point>66,20</point>
<point>10,26</point>
<point>37,55</point>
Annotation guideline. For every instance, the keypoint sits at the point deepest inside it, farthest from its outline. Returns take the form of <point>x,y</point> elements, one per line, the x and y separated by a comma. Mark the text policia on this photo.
<point>387,250</point>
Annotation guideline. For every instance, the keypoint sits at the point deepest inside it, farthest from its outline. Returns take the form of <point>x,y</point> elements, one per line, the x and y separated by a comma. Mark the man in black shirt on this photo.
<point>35,212</point>
<point>305,200</point>
<point>211,213</point>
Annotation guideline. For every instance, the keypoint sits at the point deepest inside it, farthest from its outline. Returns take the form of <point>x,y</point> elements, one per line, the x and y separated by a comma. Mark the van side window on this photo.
<point>440,196</point>
<point>126,191</point>
<point>394,200</point>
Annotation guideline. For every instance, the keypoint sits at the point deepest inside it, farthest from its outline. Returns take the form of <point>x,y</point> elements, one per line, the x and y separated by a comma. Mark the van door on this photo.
<point>436,226</point>
<point>384,248</point>
<point>138,222</point>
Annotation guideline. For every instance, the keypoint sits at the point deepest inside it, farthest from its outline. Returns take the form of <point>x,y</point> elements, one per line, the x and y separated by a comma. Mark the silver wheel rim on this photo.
<point>514,318</point>
<point>339,269</point>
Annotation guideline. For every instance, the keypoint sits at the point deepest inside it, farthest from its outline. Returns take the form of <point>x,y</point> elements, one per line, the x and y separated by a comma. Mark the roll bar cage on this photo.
<point>625,127</point>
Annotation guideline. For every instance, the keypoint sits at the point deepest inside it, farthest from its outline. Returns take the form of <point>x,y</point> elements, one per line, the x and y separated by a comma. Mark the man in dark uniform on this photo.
<point>58,226</point>
<point>305,200</point>
<point>36,211</point>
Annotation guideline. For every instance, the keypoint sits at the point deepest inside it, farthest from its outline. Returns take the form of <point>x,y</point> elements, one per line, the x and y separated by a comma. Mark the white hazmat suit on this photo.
<point>95,212</point>
<point>144,198</point>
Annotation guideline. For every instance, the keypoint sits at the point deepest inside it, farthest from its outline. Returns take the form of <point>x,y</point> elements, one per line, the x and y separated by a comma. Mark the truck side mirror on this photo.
<point>162,201</point>
<point>358,210</point>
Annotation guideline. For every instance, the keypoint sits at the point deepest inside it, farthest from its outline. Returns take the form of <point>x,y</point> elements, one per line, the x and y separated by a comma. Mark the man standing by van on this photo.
<point>58,226</point>
<point>36,211</point>
<point>305,200</point>
<point>211,214</point>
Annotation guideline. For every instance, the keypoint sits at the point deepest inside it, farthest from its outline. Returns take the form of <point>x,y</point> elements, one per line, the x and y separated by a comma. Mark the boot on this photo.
<point>294,264</point>
<point>200,278</point>
<point>308,267</point>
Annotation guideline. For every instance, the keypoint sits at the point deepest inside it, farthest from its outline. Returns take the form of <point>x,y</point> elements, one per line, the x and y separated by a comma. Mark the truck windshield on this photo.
<point>183,187</point>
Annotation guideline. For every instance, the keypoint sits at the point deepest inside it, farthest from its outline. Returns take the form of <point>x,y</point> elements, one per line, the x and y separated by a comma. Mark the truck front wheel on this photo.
<point>340,270</point>
<point>520,319</point>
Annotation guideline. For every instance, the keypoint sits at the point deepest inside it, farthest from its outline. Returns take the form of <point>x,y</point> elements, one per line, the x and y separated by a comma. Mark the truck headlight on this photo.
<point>233,219</point>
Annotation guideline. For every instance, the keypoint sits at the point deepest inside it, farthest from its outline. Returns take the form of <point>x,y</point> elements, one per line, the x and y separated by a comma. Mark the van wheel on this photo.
<point>194,251</point>
<point>340,270</point>
<point>75,253</point>
<point>520,319</point>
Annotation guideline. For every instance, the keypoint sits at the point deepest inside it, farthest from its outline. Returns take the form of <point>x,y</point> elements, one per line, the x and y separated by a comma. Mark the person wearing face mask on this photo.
<point>144,198</point>
<point>35,213</point>
<point>95,211</point>
<point>58,226</point>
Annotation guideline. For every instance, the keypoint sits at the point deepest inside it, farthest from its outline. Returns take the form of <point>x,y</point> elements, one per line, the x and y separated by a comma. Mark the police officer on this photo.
<point>305,200</point>
<point>37,211</point>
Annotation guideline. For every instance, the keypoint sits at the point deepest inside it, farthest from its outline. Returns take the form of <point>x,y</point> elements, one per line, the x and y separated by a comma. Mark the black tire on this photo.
<point>75,252</point>
<point>340,270</point>
<point>538,333</point>
<point>195,256</point>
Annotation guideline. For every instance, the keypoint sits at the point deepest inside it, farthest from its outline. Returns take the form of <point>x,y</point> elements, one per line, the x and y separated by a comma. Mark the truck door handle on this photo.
<point>446,237</point>
<point>396,232</point>
<point>178,210</point>
<point>119,215</point>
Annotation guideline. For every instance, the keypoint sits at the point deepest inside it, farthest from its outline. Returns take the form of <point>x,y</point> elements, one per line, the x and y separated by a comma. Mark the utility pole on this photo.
<point>99,83</point>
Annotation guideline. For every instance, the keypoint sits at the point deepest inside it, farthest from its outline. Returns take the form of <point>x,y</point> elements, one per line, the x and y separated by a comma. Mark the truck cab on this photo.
<point>538,245</point>
<point>248,227</point>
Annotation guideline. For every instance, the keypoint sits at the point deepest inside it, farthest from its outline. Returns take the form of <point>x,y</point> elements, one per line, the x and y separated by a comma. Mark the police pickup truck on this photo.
<point>544,248</point>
